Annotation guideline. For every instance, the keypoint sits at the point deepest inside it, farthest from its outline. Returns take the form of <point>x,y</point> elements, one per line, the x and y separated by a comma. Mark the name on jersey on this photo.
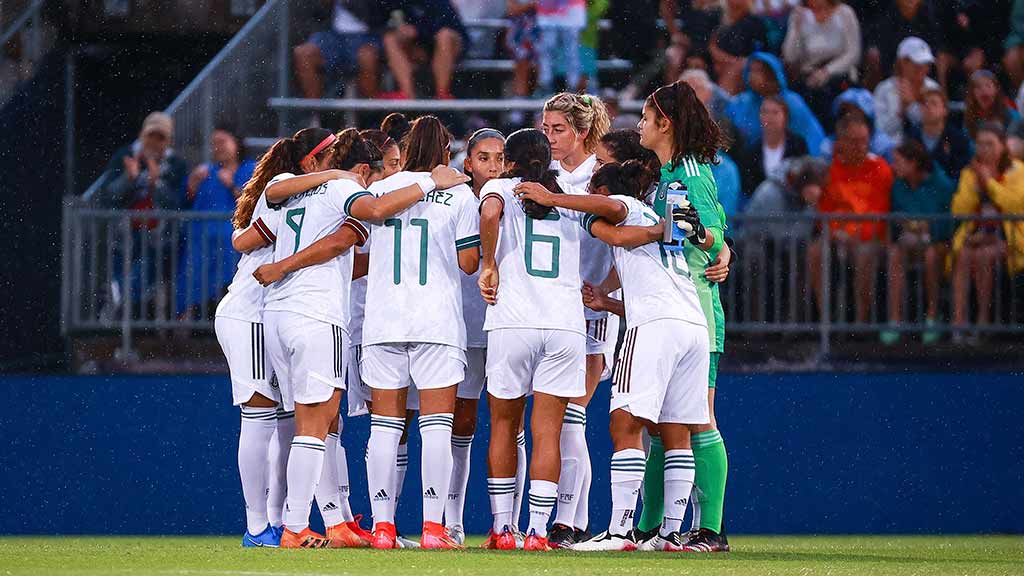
<point>438,197</point>
<point>321,189</point>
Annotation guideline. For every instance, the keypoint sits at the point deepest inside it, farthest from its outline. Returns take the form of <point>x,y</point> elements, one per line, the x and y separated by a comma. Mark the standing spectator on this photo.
<point>822,47</point>
<point>859,183</point>
<point>987,103</point>
<point>741,34</point>
<point>522,42</point>
<point>424,30</point>
<point>764,77</point>
<point>763,156</point>
<point>559,23</point>
<point>903,19</point>
<point>350,45</point>
<point>921,189</point>
<point>898,99</point>
<point>946,141</point>
<point>147,174</point>
<point>992,185</point>
<point>212,187</point>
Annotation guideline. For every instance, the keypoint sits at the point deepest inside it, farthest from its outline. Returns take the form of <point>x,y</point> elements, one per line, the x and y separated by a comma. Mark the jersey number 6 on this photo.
<point>554,241</point>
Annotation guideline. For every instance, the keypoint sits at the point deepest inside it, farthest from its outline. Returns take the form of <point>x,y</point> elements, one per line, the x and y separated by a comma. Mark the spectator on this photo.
<point>740,35</point>
<point>1013,57</point>
<point>700,18</point>
<point>350,45</point>
<point>860,102</point>
<point>422,30</point>
<point>921,189</point>
<point>791,188</point>
<point>559,23</point>
<point>1015,140</point>
<point>730,187</point>
<point>714,98</point>
<point>986,103</point>
<point>823,47</point>
<point>992,185</point>
<point>212,187</point>
<point>146,174</point>
<point>898,99</point>
<point>522,42</point>
<point>763,156</point>
<point>859,183</point>
<point>973,32</point>
<point>946,141</point>
<point>903,19</point>
<point>596,10</point>
<point>775,14</point>
<point>764,77</point>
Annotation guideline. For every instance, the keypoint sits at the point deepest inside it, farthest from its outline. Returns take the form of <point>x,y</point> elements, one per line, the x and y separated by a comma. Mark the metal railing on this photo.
<point>126,271</point>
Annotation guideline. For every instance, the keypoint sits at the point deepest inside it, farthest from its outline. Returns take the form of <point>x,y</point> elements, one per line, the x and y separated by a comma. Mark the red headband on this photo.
<point>319,147</point>
<point>654,98</point>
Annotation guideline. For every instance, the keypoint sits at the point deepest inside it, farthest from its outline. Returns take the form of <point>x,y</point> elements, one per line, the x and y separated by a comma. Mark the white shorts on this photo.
<point>521,361</point>
<point>412,364</point>
<point>359,393</point>
<point>308,355</point>
<point>662,373</point>
<point>244,347</point>
<point>476,374</point>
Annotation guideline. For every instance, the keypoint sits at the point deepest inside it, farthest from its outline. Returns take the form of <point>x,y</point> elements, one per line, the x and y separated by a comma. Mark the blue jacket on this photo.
<point>745,108</point>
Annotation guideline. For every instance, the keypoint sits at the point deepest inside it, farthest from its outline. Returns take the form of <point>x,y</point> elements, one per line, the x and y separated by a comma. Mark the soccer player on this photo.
<point>413,332</point>
<point>306,315</point>
<point>665,383</point>
<point>574,124</point>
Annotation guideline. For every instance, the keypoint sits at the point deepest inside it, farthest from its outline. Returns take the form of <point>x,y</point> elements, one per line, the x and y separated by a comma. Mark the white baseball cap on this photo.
<point>915,50</point>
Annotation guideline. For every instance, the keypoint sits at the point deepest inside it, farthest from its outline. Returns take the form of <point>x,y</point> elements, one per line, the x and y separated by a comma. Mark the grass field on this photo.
<point>753,555</point>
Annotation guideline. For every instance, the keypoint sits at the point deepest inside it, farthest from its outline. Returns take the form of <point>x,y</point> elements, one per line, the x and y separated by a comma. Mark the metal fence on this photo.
<point>128,271</point>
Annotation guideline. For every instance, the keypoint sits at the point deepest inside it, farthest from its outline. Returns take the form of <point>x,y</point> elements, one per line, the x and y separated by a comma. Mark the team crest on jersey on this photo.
<point>273,382</point>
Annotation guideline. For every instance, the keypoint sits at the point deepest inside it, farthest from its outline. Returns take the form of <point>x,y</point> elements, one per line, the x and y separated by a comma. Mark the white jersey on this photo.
<point>656,283</point>
<point>474,310</point>
<point>595,256</point>
<point>321,291</point>
<point>414,291</point>
<point>244,300</point>
<point>538,266</point>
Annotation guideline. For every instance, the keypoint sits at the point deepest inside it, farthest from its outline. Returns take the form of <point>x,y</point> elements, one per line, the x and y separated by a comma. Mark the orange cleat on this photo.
<point>355,526</point>
<point>384,536</point>
<point>341,535</point>
<point>435,537</point>
<point>536,543</point>
<point>305,539</point>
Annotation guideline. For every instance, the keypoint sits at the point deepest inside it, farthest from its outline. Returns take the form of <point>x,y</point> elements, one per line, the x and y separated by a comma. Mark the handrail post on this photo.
<point>826,290</point>
<point>126,305</point>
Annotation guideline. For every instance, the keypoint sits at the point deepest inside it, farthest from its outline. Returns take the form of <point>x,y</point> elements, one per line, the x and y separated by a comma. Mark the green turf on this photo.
<point>753,555</point>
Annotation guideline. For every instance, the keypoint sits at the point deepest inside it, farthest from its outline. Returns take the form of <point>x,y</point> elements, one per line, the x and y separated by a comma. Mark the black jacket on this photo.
<point>751,160</point>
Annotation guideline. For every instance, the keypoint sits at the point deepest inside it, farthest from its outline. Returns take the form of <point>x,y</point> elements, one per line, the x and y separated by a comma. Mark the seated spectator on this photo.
<point>992,185</point>
<point>763,156</point>
<point>350,45</point>
<point>1015,140</point>
<point>973,33</point>
<point>740,35</point>
<point>903,19</point>
<point>794,187</point>
<point>986,103</point>
<point>860,102</point>
<point>714,98</point>
<point>775,14</point>
<point>424,30</point>
<point>859,183</point>
<point>921,189</point>
<point>596,10</point>
<point>146,174</point>
<point>1013,57</point>
<point>523,43</point>
<point>823,48</point>
<point>559,23</point>
<point>764,77</point>
<point>946,141</point>
<point>212,187</point>
<point>727,179</point>
<point>898,99</point>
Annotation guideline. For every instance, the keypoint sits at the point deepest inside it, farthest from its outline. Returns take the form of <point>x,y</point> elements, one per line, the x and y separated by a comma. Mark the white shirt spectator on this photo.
<point>834,44</point>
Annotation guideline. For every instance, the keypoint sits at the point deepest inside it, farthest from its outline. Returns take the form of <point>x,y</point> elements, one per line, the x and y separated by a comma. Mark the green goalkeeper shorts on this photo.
<point>713,369</point>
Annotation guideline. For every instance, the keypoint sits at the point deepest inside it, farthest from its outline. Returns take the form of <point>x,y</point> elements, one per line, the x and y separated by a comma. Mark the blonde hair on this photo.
<point>585,113</point>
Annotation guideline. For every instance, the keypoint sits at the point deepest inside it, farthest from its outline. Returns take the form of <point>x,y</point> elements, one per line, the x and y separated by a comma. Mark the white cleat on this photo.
<point>404,542</point>
<point>655,543</point>
<point>607,542</point>
<point>520,537</point>
<point>457,534</point>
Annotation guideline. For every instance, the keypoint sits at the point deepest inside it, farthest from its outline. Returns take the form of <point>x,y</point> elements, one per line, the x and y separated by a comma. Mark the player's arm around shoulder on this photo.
<point>629,232</point>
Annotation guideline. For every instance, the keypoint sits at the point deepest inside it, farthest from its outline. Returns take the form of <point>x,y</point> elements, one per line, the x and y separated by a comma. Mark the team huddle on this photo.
<point>370,267</point>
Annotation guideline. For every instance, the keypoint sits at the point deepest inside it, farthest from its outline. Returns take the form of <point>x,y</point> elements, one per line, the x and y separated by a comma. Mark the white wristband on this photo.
<point>427,184</point>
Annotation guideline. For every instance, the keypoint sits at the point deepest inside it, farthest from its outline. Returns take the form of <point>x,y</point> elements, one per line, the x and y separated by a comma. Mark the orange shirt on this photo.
<point>859,189</point>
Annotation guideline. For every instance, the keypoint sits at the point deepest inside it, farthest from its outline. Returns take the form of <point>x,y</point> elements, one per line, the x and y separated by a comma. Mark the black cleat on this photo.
<point>561,536</point>
<point>582,535</point>
<point>706,541</point>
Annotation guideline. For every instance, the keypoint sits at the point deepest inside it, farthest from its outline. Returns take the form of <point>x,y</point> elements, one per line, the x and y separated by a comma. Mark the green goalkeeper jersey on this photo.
<point>703,194</point>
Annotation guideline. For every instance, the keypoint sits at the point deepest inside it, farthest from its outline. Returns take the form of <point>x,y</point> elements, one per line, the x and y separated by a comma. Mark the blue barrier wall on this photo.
<point>812,453</point>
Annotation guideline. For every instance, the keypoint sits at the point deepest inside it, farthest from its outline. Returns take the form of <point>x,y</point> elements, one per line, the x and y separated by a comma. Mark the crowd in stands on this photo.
<point>865,107</point>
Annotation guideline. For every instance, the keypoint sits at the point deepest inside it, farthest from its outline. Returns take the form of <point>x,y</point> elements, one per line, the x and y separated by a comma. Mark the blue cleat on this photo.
<point>269,538</point>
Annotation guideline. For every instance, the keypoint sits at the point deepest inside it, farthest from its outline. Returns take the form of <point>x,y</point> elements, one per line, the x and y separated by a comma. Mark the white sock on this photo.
<point>572,444</point>
<point>695,508</point>
<point>254,437</point>
<point>679,473</point>
<point>305,464</point>
<point>627,475</point>
<point>521,466</point>
<point>381,454</point>
<point>401,467</point>
<point>278,457</point>
<point>462,446</point>
<point>585,474</point>
<point>542,499</point>
<point>501,492</point>
<point>435,448</point>
<point>328,497</point>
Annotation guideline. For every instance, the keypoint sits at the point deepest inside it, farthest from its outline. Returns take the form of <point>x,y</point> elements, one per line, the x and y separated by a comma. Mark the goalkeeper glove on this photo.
<point>685,217</point>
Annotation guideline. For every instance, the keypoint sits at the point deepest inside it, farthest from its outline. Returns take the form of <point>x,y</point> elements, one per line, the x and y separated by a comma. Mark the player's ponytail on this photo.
<point>629,179</point>
<point>284,156</point>
<point>397,127</point>
<point>352,148</point>
<point>427,145</point>
<point>584,113</point>
<point>529,153</point>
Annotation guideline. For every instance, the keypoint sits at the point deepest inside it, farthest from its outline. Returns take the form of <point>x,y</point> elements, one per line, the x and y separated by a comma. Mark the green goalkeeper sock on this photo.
<point>712,467</point>
<point>654,488</point>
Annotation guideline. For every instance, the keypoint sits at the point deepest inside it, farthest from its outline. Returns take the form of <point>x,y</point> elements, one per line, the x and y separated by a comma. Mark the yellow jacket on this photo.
<point>1008,197</point>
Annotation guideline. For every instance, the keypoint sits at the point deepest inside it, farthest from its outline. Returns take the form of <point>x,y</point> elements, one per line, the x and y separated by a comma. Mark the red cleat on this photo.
<point>536,543</point>
<point>342,536</point>
<point>384,536</point>
<point>355,527</point>
<point>305,539</point>
<point>504,541</point>
<point>435,537</point>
